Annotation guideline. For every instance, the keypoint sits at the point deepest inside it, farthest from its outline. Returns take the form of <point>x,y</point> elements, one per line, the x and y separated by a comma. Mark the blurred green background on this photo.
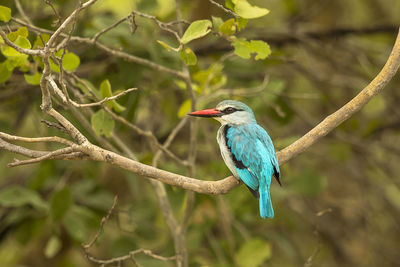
<point>340,200</point>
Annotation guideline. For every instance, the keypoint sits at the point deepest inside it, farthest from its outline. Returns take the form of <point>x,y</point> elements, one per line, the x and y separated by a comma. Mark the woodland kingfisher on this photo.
<point>247,149</point>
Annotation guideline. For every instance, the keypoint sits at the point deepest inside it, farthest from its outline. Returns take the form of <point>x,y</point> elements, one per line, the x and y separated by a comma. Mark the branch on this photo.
<point>108,50</point>
<point>345,112</point>
<point>36,153</point>
<point>225,185</point>
<point>291,38</point>
<point>103,31</point>
<point>37,139</point>
<point>50,155</point>
<point>224,8</point>
<point>130,255</point>
<point>103,221</point>
<point>67,21</point>
<point>33,52</point>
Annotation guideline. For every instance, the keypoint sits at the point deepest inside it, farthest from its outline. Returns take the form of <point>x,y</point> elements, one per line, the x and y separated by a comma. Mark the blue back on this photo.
<point>251,145</point>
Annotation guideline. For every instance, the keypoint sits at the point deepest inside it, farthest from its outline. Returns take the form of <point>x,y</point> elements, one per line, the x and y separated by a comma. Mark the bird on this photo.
<point>246,149</point>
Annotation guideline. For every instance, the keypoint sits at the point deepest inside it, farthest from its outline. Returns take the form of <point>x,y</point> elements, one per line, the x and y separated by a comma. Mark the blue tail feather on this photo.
<point>266,209</point>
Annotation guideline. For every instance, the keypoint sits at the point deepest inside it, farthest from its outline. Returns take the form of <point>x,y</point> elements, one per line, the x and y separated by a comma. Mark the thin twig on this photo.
<point>50,155</point>
<point>103,221</point>
<point>224,9</point>
<point>162,25</point>
<point>33,52</point>
<point>109,98</point>
<point>36,153</point>
<point>130,256</point>
<point>148,134</point>
<point>22,12</point>
<point>58,21</point>
<point>66,22</point>
<point>114,25</point>
<point>36,139</point>
<point>93,104</point>
<point>57,126</point>
<point>113,52</point>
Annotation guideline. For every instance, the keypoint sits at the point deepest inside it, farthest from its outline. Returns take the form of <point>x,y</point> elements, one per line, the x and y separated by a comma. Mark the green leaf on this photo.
<point>75,226</point>
<point>102,123</point>
<point>21,42</point>
<point>13,62</point>
<point>41,40</point>
<point>242,48</point>
<point>181,84</point>
<point>88,85</point>
<point>228,27</point>
<point>167,46</point>
<point>261,48</point>
<point>5,13</point>
<point>229,4</point>
<point>22,31</point>
<point>188,56</point>
<point>53,246</point>
<point>5,73</point>
<point>247,11</point>
<point>105,90</point>
<point>184,108</point>
<point>217,22</point>
<point>53,66</point>
<point>33,79</point>
<point>17,196</point>
<point>253,253</point>
<point>196,29</point>
<point>60,203</point>
<point>241,23</point>
<point>70,61</point>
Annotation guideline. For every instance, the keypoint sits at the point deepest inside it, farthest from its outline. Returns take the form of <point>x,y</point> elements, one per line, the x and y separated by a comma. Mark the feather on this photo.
<point>251,146</point>
<point>266,209</point>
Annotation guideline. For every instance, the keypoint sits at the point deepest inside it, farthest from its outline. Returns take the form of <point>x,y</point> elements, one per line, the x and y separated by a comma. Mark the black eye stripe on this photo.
<point>230,110</point>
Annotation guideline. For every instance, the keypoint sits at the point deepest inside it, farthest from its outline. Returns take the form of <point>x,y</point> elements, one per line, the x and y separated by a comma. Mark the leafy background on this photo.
<point>339,199</point>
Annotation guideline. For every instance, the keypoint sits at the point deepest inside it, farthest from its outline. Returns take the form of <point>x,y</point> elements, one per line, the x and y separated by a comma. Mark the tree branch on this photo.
<point>225,185</point>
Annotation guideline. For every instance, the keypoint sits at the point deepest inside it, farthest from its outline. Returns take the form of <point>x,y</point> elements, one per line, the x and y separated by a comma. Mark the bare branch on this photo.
<point>225,185</point>
<point>148,135</point>
<point>22,12</point>
<point>345,112</point>
<point>57,126</point>
<point>103,221</point>
<point>58,21</point>
<point>37,139</point>
<point>130,256</point>
<point>224,9</point>
<point>110,51</point>
<point>69,127</point>
<point>50,155</point>
<point>36,153</point>
<point>99,103</point>
<point>97,35</point>
<point>66,22</point>
<point>33,52</point>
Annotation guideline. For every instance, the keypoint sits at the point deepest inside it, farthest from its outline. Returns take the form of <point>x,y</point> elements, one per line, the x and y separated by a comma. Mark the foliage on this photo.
<point>283,58</point>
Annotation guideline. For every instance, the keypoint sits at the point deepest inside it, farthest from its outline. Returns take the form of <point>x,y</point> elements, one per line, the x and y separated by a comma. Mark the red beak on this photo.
<point>212,112</point>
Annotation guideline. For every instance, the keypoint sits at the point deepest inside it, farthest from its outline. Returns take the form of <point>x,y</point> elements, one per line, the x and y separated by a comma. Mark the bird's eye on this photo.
<point>229,110</point>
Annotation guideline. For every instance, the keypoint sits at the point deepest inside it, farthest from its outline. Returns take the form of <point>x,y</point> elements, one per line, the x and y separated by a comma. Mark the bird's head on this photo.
<point>228,112</point>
